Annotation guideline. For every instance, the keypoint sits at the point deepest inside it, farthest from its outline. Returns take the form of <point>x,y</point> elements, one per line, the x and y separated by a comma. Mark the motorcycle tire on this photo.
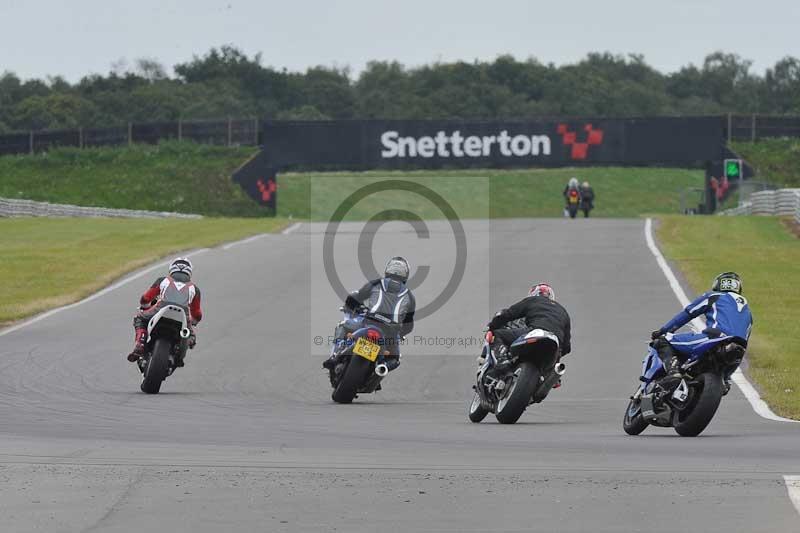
<point>634,423</point>
<point>476,410</point>
<point>354,376</point>
<point>707,393</point>
<point>514,403</point>
<point>157,367</point>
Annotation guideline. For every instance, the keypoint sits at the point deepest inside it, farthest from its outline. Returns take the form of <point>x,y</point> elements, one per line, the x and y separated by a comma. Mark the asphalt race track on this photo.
<point>246,438</point>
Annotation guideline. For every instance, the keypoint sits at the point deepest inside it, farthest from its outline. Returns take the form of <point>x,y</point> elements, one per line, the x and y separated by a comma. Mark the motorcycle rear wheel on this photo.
<point>698,414</point>
<point>511,407</point>
<point>157,367</point>
<point>354,375</point>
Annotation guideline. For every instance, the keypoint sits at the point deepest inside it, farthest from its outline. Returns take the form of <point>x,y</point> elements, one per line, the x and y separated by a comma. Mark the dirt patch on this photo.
<point>792,225</point>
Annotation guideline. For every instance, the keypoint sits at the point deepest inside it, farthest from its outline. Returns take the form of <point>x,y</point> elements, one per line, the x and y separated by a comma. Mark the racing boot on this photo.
<point>503,357</point>
<point>667,355</point>
<point>138,347</point>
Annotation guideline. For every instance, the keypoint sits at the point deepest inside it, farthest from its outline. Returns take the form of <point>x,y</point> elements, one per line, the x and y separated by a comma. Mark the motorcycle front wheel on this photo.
<point>476,410</point>
<point>634,423</point>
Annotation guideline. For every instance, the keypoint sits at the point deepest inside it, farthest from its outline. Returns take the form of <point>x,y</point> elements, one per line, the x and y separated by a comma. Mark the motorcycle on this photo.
<point>573,202</point>
<point>534,371</point>
<point>361,355</point>
<point>168,335</point>
<point>687,404</point>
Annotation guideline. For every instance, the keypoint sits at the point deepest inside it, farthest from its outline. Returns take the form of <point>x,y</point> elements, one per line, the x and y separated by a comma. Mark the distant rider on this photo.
<point>538,310</point>
<point>587,198</point>
<point>727,317</point>
<point>572,189</point>
<point>388,297</point>
<point>180,277</point>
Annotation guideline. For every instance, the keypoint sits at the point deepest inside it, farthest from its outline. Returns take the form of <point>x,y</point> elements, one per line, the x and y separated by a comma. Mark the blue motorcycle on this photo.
<point>688,403</point>
<point>362,354</point>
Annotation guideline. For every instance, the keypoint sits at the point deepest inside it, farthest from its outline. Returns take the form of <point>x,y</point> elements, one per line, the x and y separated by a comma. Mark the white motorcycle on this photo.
<point>168,335</point>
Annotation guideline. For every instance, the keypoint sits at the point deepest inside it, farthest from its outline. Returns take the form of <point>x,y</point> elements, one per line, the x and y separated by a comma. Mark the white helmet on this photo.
<point>573,183</point>
<point>397,267</point>
<point>181,264</point>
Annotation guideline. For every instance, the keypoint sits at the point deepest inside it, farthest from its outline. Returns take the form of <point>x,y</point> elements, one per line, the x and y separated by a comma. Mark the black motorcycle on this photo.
<point>360,355</point>
<point>506,391</point>
<point>688,403</point>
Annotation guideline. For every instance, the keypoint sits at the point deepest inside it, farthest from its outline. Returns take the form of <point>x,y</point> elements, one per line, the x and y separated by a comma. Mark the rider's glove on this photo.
<point>656,334</point>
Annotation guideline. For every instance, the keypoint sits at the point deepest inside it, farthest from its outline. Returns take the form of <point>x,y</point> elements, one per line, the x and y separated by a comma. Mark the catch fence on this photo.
<point>230,132</point>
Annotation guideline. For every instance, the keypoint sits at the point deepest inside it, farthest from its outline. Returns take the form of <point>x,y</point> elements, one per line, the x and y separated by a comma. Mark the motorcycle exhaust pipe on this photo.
<point>560,368</point>
<point>185,332</point>
<point>381,370</point>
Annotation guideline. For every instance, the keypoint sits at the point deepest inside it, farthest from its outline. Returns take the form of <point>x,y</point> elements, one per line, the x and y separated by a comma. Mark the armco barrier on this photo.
<point>783,202</point>
<point>763,203</point>
<point>29,208</point>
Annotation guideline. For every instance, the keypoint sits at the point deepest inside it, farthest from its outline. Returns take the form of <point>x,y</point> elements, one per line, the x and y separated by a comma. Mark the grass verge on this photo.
<point>173,176</point>
<point>766,254</point>
<point>46,263</point>
<point>620,192</point>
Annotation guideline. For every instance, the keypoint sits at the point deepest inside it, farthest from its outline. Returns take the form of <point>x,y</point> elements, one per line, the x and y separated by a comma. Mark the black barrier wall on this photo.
<point>383,144</point>
<point>258,179</point>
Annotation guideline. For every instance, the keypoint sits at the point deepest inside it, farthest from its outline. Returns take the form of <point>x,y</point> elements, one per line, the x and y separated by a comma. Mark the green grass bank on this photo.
<point>766,254</point>
<point>776,161</point>
<point>620,191</point>
<point>173,176</point>
<point>47,263</point>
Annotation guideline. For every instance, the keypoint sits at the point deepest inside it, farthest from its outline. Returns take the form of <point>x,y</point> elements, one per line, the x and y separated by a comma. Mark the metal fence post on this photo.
<point>30,141</point>
<point>180,130</point>
<point>230,131</point>
<point>730,132</point>
<point>255,132</point>
<point>753,129</point>
<point>80,137</point>
<point>130,133</point>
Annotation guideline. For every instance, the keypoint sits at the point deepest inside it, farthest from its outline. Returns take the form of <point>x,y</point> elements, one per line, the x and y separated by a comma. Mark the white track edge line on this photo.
<point>793,486</point>
<point>759,406</point>
<point>291,228</point>
<point>101,292</point>
<point>128,279</point>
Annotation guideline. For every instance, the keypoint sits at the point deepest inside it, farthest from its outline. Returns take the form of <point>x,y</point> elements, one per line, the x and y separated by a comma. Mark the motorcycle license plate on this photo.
<point>366,349</point>
<point>573,200</point>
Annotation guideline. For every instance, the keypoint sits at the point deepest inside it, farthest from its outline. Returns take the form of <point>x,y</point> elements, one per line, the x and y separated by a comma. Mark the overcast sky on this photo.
<point>73,38</point>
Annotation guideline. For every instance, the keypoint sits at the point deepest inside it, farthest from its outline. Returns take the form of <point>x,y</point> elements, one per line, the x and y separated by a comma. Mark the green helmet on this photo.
<point>727,282</point>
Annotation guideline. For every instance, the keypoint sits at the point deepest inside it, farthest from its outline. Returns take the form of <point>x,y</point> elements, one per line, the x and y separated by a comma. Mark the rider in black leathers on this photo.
<point>539,310</point>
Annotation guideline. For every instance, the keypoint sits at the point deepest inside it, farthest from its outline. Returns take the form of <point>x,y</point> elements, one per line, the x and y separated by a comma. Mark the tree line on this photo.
<point>225,82</point>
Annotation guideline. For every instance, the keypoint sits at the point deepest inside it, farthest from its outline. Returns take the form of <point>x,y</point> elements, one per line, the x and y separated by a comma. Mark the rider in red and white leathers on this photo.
<point>180,276</point>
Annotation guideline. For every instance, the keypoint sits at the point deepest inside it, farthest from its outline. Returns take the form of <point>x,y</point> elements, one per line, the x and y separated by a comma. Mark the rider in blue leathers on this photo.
<point>727,317</point>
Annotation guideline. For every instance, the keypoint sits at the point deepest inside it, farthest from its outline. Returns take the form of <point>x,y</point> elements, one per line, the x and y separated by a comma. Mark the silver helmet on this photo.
<point>397,268</point>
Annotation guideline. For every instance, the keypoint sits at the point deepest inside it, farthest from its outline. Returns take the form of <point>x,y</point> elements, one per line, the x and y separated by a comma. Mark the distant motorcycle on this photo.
<point>361,363</point>
<point>573,202</point>
<point>687,404</point>
<point>533,373</point>
<point>168,334</point>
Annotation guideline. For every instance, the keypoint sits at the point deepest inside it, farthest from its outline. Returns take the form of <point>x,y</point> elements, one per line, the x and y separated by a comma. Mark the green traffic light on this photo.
<point>732,169</point>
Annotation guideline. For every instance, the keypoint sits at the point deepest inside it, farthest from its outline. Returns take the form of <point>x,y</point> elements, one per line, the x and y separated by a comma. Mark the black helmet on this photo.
<point>727,282</point>
<point>397,268</point>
